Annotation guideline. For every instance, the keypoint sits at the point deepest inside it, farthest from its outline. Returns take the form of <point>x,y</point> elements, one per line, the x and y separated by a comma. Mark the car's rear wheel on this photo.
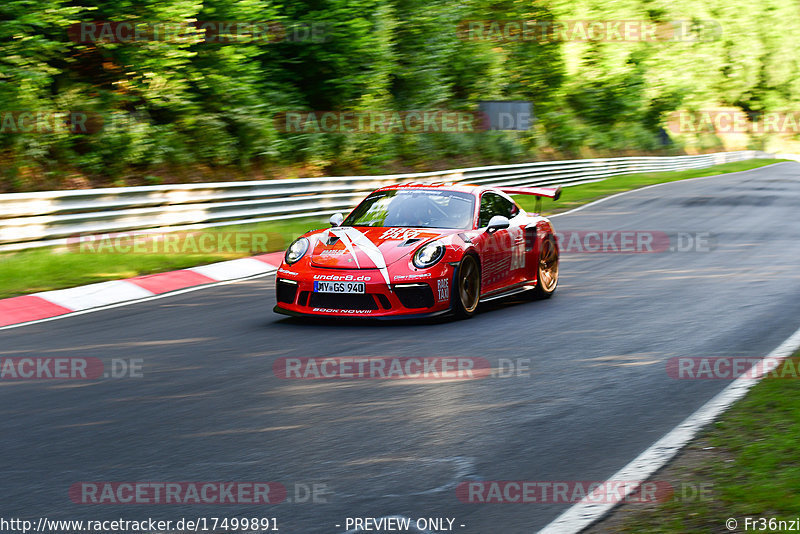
<point>468,287</point>
<point>548,268</point>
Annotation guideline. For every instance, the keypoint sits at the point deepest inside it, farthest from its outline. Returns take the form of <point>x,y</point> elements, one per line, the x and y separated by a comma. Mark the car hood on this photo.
<point>369,248</point>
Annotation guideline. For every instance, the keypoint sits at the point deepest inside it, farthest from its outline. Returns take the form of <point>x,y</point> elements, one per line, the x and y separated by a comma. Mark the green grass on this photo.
<point>752,470</point>
<point>55,268</point>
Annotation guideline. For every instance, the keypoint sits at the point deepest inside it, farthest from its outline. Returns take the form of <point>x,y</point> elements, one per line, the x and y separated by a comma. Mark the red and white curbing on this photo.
<point>47,304</point>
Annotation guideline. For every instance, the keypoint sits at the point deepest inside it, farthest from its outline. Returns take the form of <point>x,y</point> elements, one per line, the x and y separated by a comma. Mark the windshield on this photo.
<point>416,208</point>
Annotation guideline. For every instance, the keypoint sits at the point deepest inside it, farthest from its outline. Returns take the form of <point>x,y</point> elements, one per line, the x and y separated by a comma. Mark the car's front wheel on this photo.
<point>468,287</point>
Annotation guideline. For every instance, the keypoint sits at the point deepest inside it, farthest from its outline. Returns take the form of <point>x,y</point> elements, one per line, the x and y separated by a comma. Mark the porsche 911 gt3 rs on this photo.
<point>421,250</point>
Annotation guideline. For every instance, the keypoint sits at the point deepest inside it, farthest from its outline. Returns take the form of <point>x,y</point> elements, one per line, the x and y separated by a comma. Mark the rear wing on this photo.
<point>549,192</point>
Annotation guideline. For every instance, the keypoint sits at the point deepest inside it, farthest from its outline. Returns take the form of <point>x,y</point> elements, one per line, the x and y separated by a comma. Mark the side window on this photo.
<point>487,210</point>
<point>506,208</point>
<point>493,204</point>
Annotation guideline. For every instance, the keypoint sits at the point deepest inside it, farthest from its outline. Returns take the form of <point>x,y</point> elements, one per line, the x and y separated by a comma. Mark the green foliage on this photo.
<point>186,103</point>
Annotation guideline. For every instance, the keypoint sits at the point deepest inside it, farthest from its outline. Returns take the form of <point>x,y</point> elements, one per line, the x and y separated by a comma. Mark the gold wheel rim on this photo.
<point>548,266</point>
<point>469,284</point>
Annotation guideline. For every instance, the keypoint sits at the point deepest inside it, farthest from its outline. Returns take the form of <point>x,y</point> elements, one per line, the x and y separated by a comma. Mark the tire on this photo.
<point>547,274</point>
<point>466,287</point>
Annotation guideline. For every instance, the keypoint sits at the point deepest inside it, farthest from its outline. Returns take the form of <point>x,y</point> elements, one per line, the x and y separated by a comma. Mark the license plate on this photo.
<point>339,287</point>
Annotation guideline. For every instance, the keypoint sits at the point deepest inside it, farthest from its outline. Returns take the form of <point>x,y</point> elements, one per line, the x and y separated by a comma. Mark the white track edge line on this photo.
<point>273,270</point>
<point>583,514</point>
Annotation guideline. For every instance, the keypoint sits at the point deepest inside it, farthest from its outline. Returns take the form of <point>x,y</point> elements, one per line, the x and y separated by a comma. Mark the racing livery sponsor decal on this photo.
<point>336,310</point>
<point>517,249</point>
<point>443,287</point>
<point>343,277</point>
<point>400,233</point>
<point>412,276</point>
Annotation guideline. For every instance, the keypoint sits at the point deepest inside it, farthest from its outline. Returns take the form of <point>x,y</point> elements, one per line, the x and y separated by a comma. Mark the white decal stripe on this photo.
<point>348,244</point>
<point>370,249</point>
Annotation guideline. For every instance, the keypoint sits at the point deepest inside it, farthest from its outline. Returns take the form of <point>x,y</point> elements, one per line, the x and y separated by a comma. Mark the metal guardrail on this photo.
<point>29,220</point>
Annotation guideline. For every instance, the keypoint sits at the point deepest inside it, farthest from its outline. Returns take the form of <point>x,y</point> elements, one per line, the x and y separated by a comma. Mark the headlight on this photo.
<point>296,250</point>
<point>428,255</point>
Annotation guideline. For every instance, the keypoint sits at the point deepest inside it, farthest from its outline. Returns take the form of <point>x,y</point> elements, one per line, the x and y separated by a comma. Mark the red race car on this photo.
<point>421,250</point>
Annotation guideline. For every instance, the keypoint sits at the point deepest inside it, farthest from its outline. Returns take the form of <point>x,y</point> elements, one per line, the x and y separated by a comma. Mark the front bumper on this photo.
<point>377,317</point>
<point>425,293</point>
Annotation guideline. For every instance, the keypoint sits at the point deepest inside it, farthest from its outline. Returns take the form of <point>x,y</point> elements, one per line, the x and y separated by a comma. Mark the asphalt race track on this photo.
<point>209,408</point>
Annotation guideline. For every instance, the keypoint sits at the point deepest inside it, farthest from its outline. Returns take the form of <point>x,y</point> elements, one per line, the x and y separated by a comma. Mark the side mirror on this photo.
<point>498,222</point>
<point>336,219</point>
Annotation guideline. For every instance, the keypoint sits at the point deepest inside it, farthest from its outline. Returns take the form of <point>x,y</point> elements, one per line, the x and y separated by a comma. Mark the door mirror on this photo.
<point>336,219</point>
<point>498,222</point>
